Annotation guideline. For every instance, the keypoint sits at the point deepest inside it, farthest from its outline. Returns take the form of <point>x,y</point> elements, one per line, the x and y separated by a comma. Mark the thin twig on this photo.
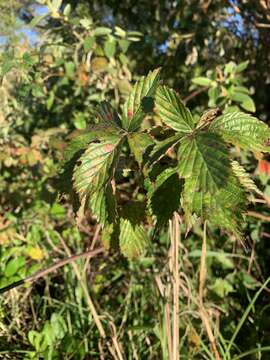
<point>85,290</point>
<point>44,272</point>
<point>194,94</point>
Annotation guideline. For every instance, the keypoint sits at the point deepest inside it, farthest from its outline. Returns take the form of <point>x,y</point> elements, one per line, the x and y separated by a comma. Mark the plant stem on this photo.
<point>44,272</point>
<point>203,311</point>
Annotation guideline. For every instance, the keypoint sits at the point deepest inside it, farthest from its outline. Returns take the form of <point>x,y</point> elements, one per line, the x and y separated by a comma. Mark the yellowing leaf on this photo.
<point>99,64</point>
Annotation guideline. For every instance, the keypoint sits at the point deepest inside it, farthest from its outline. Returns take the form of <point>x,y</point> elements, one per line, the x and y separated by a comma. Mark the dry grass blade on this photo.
<point>175,237</point>
<point>202,310</point>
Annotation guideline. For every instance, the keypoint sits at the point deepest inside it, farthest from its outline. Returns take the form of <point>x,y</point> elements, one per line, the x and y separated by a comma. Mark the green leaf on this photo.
<point>248,104</point>
<point>202,81</point>
<point>133,239</point>
<point>110,236</point>
<point>88,43</point>
<point>7,66</point>
<point>224,209</point>
<point>14,265</point>
<point>96,165</point>
<point>37,19</point>
<point>242,66</point>
<point>80,142</point>
<point>133,110</point>
<point>172,111</point>
<point>80,121</point>
<point>243,130</point>
<point>101,31</point>
<point>120,32</point>
<point>245,178</point>
<point>222,287</point>
<point>204,157</point>
<point>103,205</point>
<point>161,147</point>
<point>67,10</point>
<point>139,142</point>
<point>124,45</point>
<point>164,195</point>
<point>245,100</point>
<point>107,114</point>
<point>109,48</point>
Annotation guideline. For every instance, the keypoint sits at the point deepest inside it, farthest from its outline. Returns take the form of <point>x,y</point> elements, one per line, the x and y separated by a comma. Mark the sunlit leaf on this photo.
<point>172,111</point>
<point>95,166</point>
<point>143,91</point>
<point>133,239</point>
<point>243,130</point>
<point>204,157</point>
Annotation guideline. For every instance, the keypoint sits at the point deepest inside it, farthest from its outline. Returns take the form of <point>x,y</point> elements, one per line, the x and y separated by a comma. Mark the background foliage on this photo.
<point>59,60</point>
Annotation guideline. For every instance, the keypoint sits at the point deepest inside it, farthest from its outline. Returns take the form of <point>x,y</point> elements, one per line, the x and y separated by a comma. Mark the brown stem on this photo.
<point>57,265</point>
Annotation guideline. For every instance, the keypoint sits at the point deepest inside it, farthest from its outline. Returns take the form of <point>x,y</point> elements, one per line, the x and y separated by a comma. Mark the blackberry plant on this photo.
<point>134,175</point>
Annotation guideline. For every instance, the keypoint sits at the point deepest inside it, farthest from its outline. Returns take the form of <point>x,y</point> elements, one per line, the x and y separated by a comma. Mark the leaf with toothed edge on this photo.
<point>133,239</point>
<point>164,195</point>
<point>103,205</point>
<point>139,143</point>
<point>96,165</point>
<point>107,114</point>
<point>204,157</point>
<point>133,110</point>
<point>243,130</point>
<point>225,209</point>
<point>172,111</point>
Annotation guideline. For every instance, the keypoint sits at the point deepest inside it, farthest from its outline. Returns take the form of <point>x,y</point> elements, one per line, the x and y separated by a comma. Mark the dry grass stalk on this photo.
<point>203,312</point>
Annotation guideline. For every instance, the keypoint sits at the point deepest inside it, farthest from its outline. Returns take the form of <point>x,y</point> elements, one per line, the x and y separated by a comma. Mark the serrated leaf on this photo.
<point>96,165</point>
<point>81,141</point>
<point>107,114</point>
<point>243,130</point>
<point>164,195</point>
<point>139,142</point>
<point>133,239</point>
<point>224,210</point>
<point>162,147</point>
<point>204,157</point>
<point>133,110</point>
<point>78,143</point>
<point>245,178</point>
<point>172,111</point>
<point>110,236</point>
<point>103,205</point>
